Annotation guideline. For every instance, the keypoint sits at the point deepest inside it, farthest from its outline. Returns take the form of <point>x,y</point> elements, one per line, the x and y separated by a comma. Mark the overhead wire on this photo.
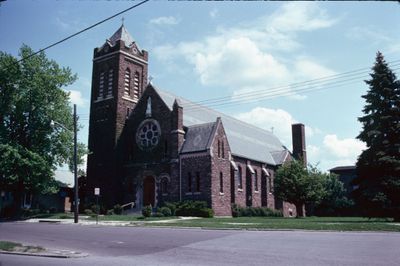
<point>351,75</point>
<point>81,31</point>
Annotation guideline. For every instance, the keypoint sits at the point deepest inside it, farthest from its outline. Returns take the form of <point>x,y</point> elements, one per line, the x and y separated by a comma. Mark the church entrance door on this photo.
<point>148,191</point>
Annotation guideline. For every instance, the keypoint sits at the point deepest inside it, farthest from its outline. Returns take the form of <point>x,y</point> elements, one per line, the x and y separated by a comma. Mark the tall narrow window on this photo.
<point>270,189</point>
<point>189,182</point>
<point>197,182</point>
<point>240,184</point>
<point>127,88</point>
<point>110,82</point>
<point>221,183</point>
<point>223,149</point>
<point>101,86</point>
<point>128,111</point>
<point>255,181</point>
<point>219,149</point>
<point>136,86</point>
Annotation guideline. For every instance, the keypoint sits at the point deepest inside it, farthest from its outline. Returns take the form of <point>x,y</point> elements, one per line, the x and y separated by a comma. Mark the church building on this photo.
<point>149,146</point>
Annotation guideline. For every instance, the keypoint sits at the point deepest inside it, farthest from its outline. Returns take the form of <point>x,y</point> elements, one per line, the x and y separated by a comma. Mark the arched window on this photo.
<point>136,86</point>
<point>255,181</point>
<point>240,184</point>
<point>219,149</point>
<point>270,186</point>
<point>221,183</point>
<point>110,82</point>
<point>101,86</point>
<point>127,87</point>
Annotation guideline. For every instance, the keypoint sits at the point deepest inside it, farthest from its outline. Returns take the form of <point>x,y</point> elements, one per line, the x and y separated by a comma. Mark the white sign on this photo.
<point>97,191</point>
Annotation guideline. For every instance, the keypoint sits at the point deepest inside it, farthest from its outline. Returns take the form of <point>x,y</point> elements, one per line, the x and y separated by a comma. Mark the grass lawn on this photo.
<point>12,246</point>
<point>309,223</point>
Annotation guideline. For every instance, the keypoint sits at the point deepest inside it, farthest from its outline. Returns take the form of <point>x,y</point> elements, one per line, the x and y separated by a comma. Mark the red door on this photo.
<point>148,191</point>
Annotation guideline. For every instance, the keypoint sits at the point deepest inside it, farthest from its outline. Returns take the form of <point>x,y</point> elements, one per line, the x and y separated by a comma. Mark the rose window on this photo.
<point>148,134</point>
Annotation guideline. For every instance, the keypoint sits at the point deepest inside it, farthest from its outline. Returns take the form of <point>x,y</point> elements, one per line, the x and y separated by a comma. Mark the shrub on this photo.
<point>165,211</point>
<point>146,211</point>
<point>189,208</point>
<point>255,211</point>
<point>110,212</point>
<point>117,209</point>
<point>95,208</point>
<point>235,210</point>
<point>158,214</point>
<point>171,206</point>
<point>88,212</point>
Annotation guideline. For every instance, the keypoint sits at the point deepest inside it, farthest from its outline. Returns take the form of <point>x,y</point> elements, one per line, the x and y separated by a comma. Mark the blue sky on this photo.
<point>204,50</point>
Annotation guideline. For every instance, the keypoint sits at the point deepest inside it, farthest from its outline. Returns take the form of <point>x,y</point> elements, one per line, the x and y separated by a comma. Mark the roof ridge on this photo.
<point>202,124</point>
<point>218,112</point>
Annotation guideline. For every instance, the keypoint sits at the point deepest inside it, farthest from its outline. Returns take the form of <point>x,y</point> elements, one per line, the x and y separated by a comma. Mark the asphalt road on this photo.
<point>108,245</point>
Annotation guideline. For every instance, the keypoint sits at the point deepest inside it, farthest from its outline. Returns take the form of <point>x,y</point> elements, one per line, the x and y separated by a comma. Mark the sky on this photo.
<point>247,53</point>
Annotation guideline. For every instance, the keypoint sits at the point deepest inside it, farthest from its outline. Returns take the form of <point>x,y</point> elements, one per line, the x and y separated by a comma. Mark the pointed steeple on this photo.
<point>123,35</point>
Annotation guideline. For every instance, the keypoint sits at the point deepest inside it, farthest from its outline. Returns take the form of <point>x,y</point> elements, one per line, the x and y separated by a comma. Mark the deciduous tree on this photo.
<point>31,97</point>
<point>299,185</point>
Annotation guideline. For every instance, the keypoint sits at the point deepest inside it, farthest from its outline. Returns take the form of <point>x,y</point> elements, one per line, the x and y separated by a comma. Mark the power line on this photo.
<point>79,32</point>
<point>322,83</point>
<point>268,94</point>
<point>321,80</point>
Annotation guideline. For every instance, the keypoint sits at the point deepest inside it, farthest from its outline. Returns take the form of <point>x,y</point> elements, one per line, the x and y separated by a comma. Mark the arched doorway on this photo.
<point>149,191</point>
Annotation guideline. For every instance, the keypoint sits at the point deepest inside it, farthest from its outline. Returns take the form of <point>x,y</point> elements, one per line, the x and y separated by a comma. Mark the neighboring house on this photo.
<point>346,174</point>
<point>57,202</point>
<point>149,146</point>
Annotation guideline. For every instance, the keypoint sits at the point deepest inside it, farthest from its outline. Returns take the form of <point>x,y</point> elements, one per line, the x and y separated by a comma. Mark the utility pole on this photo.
<point>76,210</point>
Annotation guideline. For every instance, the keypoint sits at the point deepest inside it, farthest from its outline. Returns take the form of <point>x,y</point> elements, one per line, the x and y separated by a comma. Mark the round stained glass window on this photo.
<point>148,134</point>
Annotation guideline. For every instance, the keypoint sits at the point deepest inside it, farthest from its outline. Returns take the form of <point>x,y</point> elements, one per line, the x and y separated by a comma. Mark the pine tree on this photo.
<point>378,167</point>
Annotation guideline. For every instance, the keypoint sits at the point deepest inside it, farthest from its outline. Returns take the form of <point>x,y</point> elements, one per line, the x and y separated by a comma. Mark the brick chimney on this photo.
<point>299,142</point>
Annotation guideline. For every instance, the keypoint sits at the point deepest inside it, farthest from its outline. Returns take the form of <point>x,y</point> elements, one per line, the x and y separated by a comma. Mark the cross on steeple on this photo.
<point>123,19</point>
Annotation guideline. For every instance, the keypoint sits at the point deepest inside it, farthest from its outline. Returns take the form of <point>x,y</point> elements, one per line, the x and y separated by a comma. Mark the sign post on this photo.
<point>97,194</point>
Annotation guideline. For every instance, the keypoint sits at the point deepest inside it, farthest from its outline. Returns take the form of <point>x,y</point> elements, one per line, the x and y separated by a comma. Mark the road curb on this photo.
<point>48,255</point>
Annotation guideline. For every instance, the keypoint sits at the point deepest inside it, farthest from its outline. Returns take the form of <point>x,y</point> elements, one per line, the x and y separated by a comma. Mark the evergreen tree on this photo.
<point>378,167</point>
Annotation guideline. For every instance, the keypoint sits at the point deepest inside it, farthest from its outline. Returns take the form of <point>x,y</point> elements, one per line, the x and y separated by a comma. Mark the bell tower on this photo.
<point>118,79</point>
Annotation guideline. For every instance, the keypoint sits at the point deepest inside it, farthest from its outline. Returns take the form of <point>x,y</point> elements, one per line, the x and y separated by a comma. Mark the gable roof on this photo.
<point>198,137</point>
<point>245,140</point>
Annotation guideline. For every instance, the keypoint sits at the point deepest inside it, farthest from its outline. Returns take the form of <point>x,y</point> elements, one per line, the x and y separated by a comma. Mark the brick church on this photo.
<point>149,146</point>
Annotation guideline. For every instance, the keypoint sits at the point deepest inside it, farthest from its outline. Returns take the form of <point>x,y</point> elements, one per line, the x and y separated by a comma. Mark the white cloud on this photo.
<point>214,13</point>
<point>348,149</point>
<point>277,120</point>
<point>165,21</point>
<point>243,58</point>
<point>331,152</point>
<point>76,98</point>
<point>296,16</point>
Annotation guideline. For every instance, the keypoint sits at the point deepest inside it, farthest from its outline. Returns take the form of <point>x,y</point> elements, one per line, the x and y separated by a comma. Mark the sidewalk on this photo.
<point>83,221</point>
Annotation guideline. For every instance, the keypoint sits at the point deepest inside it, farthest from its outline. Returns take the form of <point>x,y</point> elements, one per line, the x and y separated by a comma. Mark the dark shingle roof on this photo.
<point>343,168</point>
<point>198,137</point>
<point>121,34</point>
<point>245,140</point>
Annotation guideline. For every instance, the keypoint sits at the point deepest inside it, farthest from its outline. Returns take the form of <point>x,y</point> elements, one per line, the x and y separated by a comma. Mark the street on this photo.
<point>107,245</point>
